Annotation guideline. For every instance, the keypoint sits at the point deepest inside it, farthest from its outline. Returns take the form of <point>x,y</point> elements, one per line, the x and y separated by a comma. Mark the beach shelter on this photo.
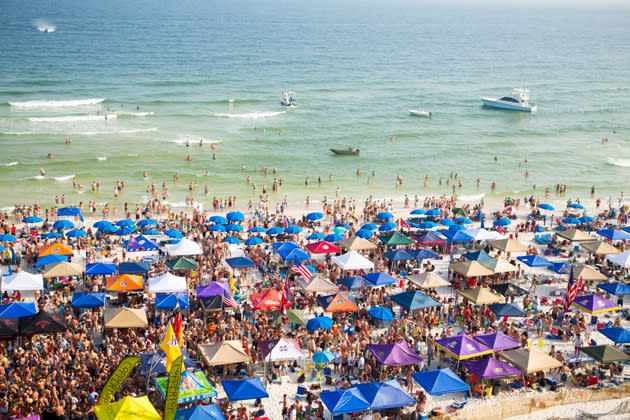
<point>356,244</point>
<point>535,261</point>
<point>339,302</point>
<point>225,352</point>
<point>100,269</point>
<point>424,253</point>
<point>214,288</point>
<point>63,269</point>
<point>294,316</point>
<point>133,267</point>
<point>181,264</point>
<point>479,256</point>
<point>508,245</point>
<point>323,322</point>
<point>322,247</point>
<point>439,382</point>
<point>471,269</point>
<point>271,299</point>
<point>314,216</point>
<point>490,368</point>
<point>585,272</point>
<point>394,238</point>
<point>614,234</point>
<point>240,262</point>
<point>617,289</point>
<point>575,235</point>
<point>429,280</point>
<point>560,267</point>
<point>497,341</point>
<point>281,349</point>
<point>353,261</point>
<point>193,386</point>
<point>462,347</point>
<point>318,284</point>
<point>184,247</point>
<point>125,318</point>
<point>378,279</point>
<point>123,283</point>
<point>213,303</point>
<point>50,259</point>
<point>354,282</point>
<point>600,248</point>
<point>323,356</point>
<point>595,304</point>
<point>622,259</point>
<point>55,249</point>
<point>399,255</point>
<point>171,301</point>
<point>429,238</point>
<point>344,401</point>
<point>9,327</point>
<point>508,289</point>
<point>498,265</point>
<point>167,283</point>
<point>507,310</point>
<point>172,233</point>
<point>140,244</point>
<point>394,354</point>
<point>88,300</point>
<point>22,281</point>
<point>616,335</point>
<point>454,235</point>
<point>480,296</point>
<point>200,412</point>
<point>139,408</point>
<point>17,309</point>
<point>296,254</point>
<point>605,353</point>
<point>381,313</point>
<point>415,300</point>
<point>384,395</point>
<point>530,360</point>
<point>42,323</point>
<point>481,234</point>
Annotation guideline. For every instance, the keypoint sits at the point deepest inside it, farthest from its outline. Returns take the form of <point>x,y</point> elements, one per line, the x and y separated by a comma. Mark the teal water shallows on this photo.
<point>174,73</point>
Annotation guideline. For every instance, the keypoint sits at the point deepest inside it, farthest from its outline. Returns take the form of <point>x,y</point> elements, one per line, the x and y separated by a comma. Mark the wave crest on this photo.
<point>54,104</point>
<point>71,118</point>
<point>623,163</point>
<point>251,115</point>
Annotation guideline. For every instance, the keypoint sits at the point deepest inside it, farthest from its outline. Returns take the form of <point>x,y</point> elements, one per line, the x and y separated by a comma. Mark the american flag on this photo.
<point>303,270</point>
<point>571,291</point>
<point>229,301</point>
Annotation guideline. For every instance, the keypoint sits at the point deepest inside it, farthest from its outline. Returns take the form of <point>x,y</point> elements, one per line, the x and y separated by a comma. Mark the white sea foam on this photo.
<point>252,115</point>
<point>55,104</point>
<point>101,158</point>
<point>44,26</point>
<point>624,163</point>
<point>80,133</point>
<point>176,204</point>
<point>193,140</point>
<point>37,177</point>
<point>11,163</point>
<point>136,114</point>
<point>476,197</point>
<point>64,178</point>
<point>72,118</point>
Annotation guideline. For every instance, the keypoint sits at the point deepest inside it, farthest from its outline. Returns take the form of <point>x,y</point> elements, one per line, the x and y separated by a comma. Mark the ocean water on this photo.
<point>177,72</point>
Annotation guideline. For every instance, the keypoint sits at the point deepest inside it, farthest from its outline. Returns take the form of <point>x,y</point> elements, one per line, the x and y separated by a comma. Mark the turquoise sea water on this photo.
<point>357,68</point>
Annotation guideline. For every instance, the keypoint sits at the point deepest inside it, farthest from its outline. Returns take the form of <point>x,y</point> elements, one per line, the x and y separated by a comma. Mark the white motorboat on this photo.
<point>517,101</point>
<point>288,99</point>
<point>419,113</point>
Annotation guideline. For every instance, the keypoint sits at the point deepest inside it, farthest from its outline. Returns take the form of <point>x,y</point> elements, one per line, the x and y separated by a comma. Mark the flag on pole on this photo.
<point>303,270</point>
<point>170,346</point>
<point>177,327</point>
<point>286,223</point>
<point>571,291</point>
<point>229,301</point>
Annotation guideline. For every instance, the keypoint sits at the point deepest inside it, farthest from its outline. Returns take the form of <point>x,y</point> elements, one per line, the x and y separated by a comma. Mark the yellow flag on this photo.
<point>232,288</point>
<point>170,346</point>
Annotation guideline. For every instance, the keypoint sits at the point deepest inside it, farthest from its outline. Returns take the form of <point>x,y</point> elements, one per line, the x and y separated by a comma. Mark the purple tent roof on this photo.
<point>490,368</point>
<point>394,354</point>
<point>462,347</point>
<point>497,341</point>
<point>214,289</point>
<point>595,304</point>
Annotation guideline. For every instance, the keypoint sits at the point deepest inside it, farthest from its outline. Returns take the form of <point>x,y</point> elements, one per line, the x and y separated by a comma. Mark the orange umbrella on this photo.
<point>124,283</point>
<point>55,249</point>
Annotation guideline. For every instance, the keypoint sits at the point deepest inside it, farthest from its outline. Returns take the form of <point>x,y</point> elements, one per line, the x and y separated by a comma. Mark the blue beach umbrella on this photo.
<point>234,228</point>
<point>315,236</point>
<point>457,227</point>
<point>101,224</point>
<point>380,313</point>
<point>127,230</point>
<point>587,219</point>
<point>108,228</point>
<point>418,212</point>
<point>314,216</point>
<point>333,237</point>
<point>576,206</point>
<point>446,222</point>
<point>434,212</point>
<point>384,216</point>
<point>343,225</point>
<point>427,225</point>
<point>571,221</point>
<point>151,232</point>
<point>339,229</point>
<point>324,356</point>
<point>7,238</point>
<point>463,220</point>
<point>363,233</point>
<point>50,235</point>
<point>255,240</point>
<point>172,233</point>
<point>32,219</point>
<point>235,216</point>
<point>76,233</point>
<point>125,223</point>
<point>219,220</point>
<point>147,222</point>
<point>63,224</point>
<point>219,228</point>
<point>257,229</point>
<point>275,231</point>
<point>502,222</point>
<point>386,227</point>
<point>232,240</point>
<point>546,206</point>
<point>293,229</point>
<point>323,322</point>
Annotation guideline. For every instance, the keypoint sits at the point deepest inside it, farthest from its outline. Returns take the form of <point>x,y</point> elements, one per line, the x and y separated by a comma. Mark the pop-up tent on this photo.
<point>617,289</point>
<point>595,304</point>
<point>507,310</point>
<point>412,301</point>
<point>605,353</point>
<point>63,268</point>
<point>384,395</point>
<point>167,283</point>
<point>100,269</point>
<point>223,353</point>
<point>490,368</point>
<point>356,243</point>
<point>17,310</point>
<point>271,299</point>
<point>480,296</point>
<point>394,354</point>
<point>339,302</point>
<point>200,412</point>
<point>184,247</point>
<point>22,281</point>
<point>318,284</point>
<point>133,267</point>
<point>530,360</point>
<point>497,341</point>
<point>88,300</point>
<point>123,283</point>
<point>508,289</point>
<point>344,401</point>
<point>140,244</point>
<point>429,280</point>
<point>462,347</point>
<point>42,323</point>
<point>128,408</point>
<point>193,387</point>
<point>281,349</point>
<point>471,269</point>
<point>240,262</point>
<point>353,261</point>
<point>50,259</point>
<point>9,327</point>
<point>442,381</point>
<point>378,279</point>
<point>244,389</point>
<point>171,301</point>
<point>293,316</point>
<point>55,249</point>
<point>616,334</point>
<point>181,264</point>
<point>125,318</point>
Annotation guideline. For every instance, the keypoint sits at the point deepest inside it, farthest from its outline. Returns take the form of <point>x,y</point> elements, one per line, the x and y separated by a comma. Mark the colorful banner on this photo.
<point>116,379</point>
<point>193,387</point>
<point>172,389</point>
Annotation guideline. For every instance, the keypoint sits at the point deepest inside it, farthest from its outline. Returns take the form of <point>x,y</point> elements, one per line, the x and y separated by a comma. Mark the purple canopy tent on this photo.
<point>595,304</point>
<point>394,354</point>
<point>490,368</point>
<point>462,347</point>
<point>214,289</point>
<point>497,341</point>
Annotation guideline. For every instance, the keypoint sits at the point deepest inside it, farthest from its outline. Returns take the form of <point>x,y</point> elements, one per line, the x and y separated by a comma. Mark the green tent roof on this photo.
<point>181,263</point>
<point>294,316</point>
<point>605,353</point>
<point>395,238</point>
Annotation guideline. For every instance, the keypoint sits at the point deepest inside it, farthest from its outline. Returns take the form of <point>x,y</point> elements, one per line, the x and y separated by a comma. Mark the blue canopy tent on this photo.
<point>430,238</point>
<point>344,401</point>
<point>240,262</point>
<point>133,268</point>
<point>457,236</point>
<point>244,389</point>
<point>141,243</point>
<point>617,335</point>
<point>378,279</point>
<point>399,255</point>
<point>50,259</point>
<point>354,282</point>
<point>614,234</point>
<point>439,382</point>
<point>200,412</point>
<point>170,301</point>
<point>383,395</point>
<point>478,256</point>
<point>535,261</point>
<point>617,289</point>
<point>100,269</point>
<point>423,253</point>
<point>70,211</point>
<point>415,300</point>
<point>156,362</point>
<point>88,300</point>
<point>17,310</point>
<point>560,267</point>
<point>507,309</point>
<point>296,254</point>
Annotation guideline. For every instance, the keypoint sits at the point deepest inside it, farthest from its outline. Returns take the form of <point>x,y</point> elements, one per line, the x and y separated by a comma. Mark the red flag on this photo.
<point>177,328</point>
<point>303,270</point>
<point>571,291</point>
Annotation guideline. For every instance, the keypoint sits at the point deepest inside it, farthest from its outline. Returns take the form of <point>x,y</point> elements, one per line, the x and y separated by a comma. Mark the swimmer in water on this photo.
<point>68,140</point>
<point>49,156</point>
<point>42,172</point>
<point>145,174</point>
<point>201,143</point>
<point>188,158</point>
<point>187,143</point>
<point>496,158</point>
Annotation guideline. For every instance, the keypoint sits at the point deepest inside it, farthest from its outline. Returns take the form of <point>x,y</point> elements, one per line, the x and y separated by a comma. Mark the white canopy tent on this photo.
<point>22,281</point>
<point>281,350</point>
<point>184,247</point>
<point>167,283</point>
<point>353,261</point>
<point>481,234</point>
<point>622,259</point>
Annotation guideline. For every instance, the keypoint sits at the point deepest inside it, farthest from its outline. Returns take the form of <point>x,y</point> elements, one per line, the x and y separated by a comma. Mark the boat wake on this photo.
<point>72,118</point>
<point>44,26</point>
<point>64,178</point>
<point>252,115</point>
<point>11,164</point>
<point>55,104</point>
<point>623,163</point>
